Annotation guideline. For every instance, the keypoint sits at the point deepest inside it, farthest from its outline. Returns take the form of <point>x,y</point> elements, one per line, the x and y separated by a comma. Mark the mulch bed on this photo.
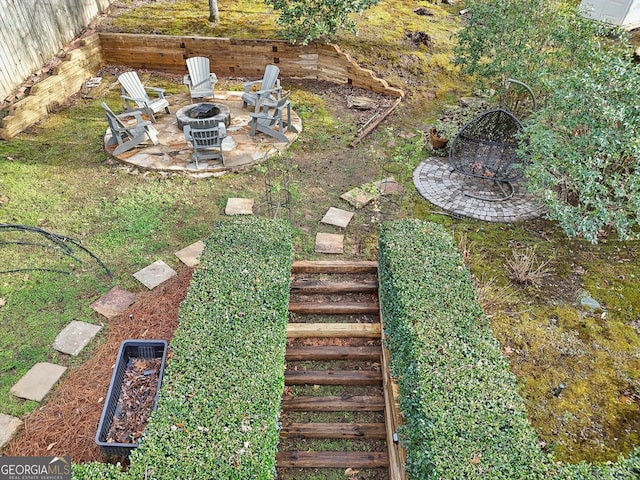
<point>66,424</point>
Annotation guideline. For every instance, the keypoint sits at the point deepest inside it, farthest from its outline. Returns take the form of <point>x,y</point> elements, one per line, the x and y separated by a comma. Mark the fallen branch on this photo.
<point>373,125</point>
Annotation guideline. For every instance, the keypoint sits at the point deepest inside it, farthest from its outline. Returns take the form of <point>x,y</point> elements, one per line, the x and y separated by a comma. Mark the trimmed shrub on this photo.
<point>463,415</point>
<point>219,405</point>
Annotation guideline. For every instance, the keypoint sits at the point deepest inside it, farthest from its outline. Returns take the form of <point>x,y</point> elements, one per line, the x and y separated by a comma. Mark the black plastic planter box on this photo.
<point>128,349</point>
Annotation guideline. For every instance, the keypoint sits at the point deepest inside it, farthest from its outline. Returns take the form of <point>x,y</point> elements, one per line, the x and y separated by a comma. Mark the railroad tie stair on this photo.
<point>334,405</point>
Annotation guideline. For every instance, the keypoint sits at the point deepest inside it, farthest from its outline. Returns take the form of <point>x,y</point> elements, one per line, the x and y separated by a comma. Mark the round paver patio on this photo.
<point>173,153</point>
<point>437,182</point>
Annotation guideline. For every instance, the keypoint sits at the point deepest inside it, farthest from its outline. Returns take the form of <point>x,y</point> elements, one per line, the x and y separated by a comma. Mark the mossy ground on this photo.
<point>57,176</point>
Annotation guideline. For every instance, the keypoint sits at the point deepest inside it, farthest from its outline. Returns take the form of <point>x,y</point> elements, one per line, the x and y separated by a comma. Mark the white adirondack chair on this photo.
<point>207,142</point>
<point>271,121</point>
<point>126,136</point>
<point>200,80</point>
<point>268,89</point>
<point>134,92</point>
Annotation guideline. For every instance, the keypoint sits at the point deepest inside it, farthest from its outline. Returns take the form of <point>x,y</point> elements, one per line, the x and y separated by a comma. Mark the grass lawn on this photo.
<point>57,177</point>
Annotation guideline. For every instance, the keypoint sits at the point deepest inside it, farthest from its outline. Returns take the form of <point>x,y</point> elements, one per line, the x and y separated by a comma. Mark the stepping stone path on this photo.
<point>114,302</point>
<point>329,243</point>
<point>36,383</point>
<point>189,255</point>
<point>155,274</point>
<point>337,217</point>
<point>239,206</point>
<point>75,336</point>
<point>8,426</point>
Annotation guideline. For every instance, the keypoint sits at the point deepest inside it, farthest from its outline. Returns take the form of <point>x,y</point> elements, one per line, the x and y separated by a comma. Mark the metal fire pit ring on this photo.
<point>188,115</point>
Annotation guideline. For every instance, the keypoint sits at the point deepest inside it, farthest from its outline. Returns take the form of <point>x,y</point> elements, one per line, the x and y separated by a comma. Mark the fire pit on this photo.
<point>203,115</point>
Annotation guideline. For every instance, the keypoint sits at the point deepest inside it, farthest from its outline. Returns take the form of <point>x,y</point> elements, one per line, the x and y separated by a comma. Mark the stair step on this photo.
<point>330,377</point>
<point>298,459</point>
<point>334,330</point>
<point>331,352</point>
<point>334,308</point>
<point>334,430</point>
<point>356,403</point>
<point>304,266</point>
<point>320,286</point>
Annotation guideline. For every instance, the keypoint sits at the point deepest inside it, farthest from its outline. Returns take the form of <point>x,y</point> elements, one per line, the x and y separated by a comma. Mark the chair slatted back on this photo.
<point>199,71</point>
<point>133,87</point>
<point>270,77</point>
<point>114,122</point>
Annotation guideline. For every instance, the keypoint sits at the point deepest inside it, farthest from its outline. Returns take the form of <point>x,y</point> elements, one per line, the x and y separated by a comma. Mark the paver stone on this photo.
<point>36,383</point>
<point>189,255</point>
<point>8,426</point>
<point>239,206</point>
<point>329,243</point>
<point>113,302</point>
<point>155,274</point>
<point>337,217</point>
<point>75,336</point>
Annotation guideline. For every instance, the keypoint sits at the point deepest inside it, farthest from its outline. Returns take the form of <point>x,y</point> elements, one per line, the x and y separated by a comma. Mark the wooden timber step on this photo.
<point>304,266</point>
<point>333,330</point>
<point>345,403</point>
<point>298,459</point>
<point>334,308</point>
<point>348,431</point>
<point>331,352</point>
<point>324,287</point>
<point>331,377</point>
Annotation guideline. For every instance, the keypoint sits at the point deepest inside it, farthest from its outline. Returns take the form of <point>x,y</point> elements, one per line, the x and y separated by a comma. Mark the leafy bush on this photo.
<point>302,21</point>
<point>463,416</point>
<point>583,142</point>
<point>219,406</point>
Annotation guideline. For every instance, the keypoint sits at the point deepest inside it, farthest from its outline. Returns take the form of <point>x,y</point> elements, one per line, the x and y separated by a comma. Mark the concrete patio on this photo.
<point>173,153</point>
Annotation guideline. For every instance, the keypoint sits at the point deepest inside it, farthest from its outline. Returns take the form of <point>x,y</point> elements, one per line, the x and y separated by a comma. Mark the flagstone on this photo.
<point>239,206</point>
<point>75,336</point>
<point>337,217</point>
<point>189,255</point>
<point>8,426</point>
<point>38,381</point>
<point>155,274</point>
<point>329,243</point>
<point>114,302</point>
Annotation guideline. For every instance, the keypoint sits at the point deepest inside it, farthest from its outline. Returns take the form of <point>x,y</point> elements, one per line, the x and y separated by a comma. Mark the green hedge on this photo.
<point>463,415</point>
<point>219,406</point>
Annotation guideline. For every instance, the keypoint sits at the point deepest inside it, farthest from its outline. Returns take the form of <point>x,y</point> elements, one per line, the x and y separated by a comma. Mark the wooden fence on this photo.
<point>33,31</point>
<point>229,58</point>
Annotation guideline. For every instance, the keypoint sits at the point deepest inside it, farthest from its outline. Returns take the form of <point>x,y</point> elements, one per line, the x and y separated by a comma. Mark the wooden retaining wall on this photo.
<point>45,96</point>
<point>240,58</point>
<point>33,31</point>
<point>229,58</point>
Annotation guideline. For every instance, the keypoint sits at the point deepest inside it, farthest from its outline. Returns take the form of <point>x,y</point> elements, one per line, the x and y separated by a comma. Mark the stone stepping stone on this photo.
<point>114,302</point>
<point>8,426</point>
<point>75,336</point>
<point>388,186</point>
<point>358,197</point>
<point>155,274</point>
<point>36,383</point>
<point>189,255</point>
<point>337,217</point>
<point>329,243</point>
<point>239,206</point>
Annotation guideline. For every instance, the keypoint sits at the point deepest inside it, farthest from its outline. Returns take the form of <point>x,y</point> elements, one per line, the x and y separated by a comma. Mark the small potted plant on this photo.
<point>453,118</point>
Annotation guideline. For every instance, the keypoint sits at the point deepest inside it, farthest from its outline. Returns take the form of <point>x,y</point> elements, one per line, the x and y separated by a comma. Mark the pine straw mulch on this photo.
<point>66,424</point>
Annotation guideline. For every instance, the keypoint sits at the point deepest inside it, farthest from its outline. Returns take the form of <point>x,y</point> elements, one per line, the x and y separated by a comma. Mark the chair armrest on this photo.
<point>186,80</point>
<point>222,129</point>
<point>156,90</point>
<point>248,85</point>
<point>132,99</point>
